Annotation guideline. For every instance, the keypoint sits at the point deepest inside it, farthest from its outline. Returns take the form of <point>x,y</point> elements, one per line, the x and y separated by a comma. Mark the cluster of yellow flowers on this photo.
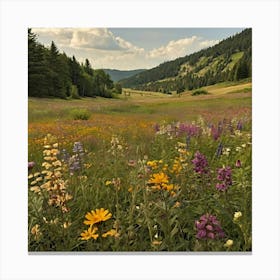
<point>92,219</point>
<point>160,181</point>
<point>50,179</point>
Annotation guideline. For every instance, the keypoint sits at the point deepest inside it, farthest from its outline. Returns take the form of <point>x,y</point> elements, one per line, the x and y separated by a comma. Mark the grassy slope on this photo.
<point>223,99</point>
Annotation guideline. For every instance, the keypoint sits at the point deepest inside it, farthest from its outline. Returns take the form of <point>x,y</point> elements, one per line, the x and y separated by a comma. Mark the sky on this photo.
<point>131,48</point>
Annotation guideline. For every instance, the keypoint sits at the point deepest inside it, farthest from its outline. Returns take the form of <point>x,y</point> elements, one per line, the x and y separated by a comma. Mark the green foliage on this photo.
<point>52,74</point>
<point>74,92</point>
<point>118,88</point>
<point>199,92</point>
<point>80,114</point>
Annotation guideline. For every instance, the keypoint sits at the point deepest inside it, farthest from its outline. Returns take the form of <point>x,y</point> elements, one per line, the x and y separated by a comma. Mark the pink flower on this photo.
<point>31,164</point>
<point>238,163</point>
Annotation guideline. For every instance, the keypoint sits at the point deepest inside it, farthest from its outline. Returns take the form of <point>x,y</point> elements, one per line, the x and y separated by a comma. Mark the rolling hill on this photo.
<point>117,75</point>
<point>229,60</point>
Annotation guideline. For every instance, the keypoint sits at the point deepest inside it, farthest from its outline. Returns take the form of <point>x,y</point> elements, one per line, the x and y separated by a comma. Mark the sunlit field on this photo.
<point>141,172</point>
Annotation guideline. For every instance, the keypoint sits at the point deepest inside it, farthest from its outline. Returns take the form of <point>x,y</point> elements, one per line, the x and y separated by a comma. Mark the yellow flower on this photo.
<point>67,224</point>
<point>99,215</point>
<point>35,189</point>
<point>57,163</point>
<point>46,165</point>
<point>107,183</point>
<point>36,232</point>
<point>152,164</point>
<point>237,215</point>
<point>89,233</point>
<point>229,243</point>
<point>111,232</point>
<point>177,204</point>
<point>159,178</point>
<point>33,183</point>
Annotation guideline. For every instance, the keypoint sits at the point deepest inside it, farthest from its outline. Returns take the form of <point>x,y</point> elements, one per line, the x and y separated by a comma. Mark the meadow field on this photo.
<point>143,171</point>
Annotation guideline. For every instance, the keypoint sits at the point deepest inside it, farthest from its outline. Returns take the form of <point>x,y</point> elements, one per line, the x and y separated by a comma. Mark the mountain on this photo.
<point>230,59</point>
<point>117,75</point>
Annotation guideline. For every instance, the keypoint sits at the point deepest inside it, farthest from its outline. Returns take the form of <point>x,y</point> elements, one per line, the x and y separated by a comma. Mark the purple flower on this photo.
<point>31,164</point>
<point>200,163</point>
<point>216,132</point>
<point>78,148</point>
<point>239,125</point>
<point>208,227</point>
<point>189,129</point>
<point>224,176</point>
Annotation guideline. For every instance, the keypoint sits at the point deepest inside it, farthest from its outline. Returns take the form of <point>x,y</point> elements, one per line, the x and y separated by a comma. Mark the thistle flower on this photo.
<point>200,163</point>
<point>224,176</point>
<point>208,227</point>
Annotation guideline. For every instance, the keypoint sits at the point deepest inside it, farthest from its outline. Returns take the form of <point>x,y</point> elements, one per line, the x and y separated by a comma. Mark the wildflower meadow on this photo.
<point>141,174</point>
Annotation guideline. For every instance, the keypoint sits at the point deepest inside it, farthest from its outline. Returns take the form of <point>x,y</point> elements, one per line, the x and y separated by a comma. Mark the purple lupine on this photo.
<point>74,164</point>
<point>78,149</point>
<point>208,227</point>
<point>215,132</point>
<point>224,178</point>
<point>200,163</point>
<point>189,129</point>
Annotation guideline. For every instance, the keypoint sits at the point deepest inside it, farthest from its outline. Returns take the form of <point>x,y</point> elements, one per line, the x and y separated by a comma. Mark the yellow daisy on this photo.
<point>99,215</point>
<point>89,233</point>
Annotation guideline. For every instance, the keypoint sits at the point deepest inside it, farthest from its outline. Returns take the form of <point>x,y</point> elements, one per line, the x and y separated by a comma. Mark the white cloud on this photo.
<point>180,48</point>
<point>105,50</point>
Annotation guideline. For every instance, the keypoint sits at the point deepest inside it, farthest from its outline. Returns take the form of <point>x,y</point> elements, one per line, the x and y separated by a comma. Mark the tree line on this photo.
<point>54,74</point>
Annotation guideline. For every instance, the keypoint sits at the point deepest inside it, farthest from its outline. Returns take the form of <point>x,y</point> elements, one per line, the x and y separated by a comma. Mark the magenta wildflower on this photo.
<point>224,176</point>
<point>208,227</point>
<point>31,164</point>
<point>200,163</point>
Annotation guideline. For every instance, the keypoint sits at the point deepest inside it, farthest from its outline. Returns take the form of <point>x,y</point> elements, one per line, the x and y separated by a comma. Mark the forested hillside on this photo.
<point>229,60</point>
<point>54,74</point>
<point>117,75</point>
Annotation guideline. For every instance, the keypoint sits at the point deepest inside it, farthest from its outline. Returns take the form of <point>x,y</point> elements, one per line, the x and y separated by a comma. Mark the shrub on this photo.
<point>200,92</point>
<point>80,114</point>
<point>74,92</point>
